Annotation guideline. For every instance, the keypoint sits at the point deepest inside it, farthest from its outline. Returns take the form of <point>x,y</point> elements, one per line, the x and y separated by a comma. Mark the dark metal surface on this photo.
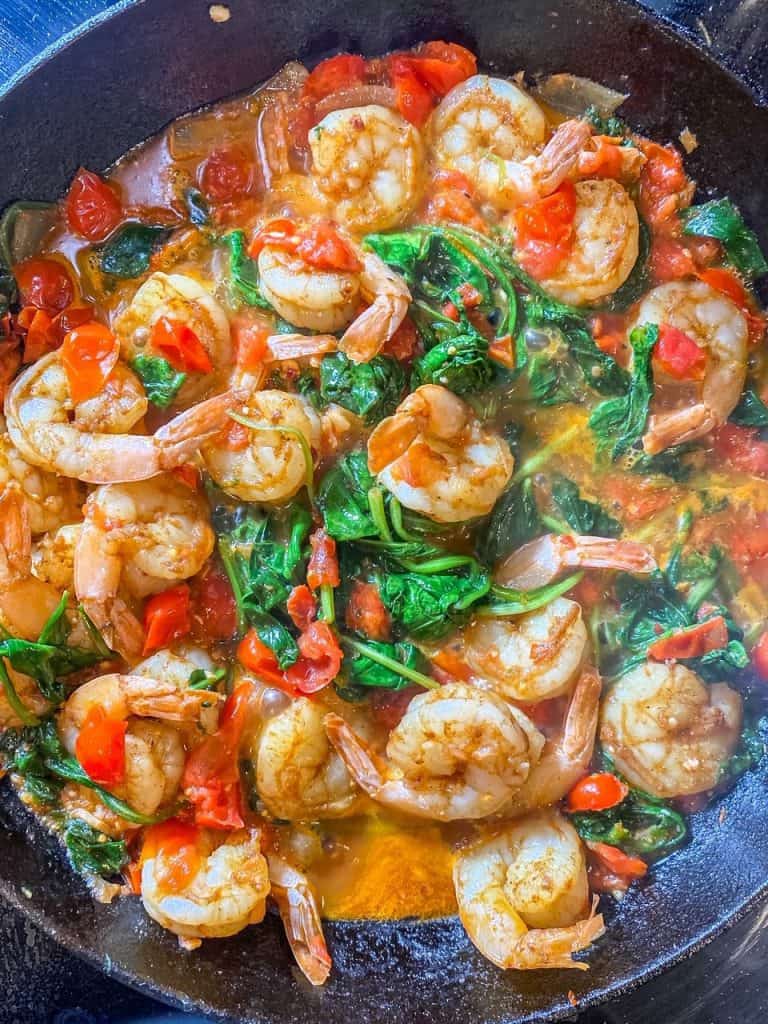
<point>162,57</point>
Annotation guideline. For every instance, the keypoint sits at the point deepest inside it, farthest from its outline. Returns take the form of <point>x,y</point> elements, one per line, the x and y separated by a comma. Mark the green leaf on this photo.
<point>161,382</point>
<point>371,390</point>
<point>129,250</point>
<point>585,517</point>
<point>619,423</point>
<point>429,606</point>
<point>460,364</point>
<point>277,637</point>
<point>244,272</point>
<point>720,219</point>
<point>362,670</point>
<point>199,679</point>
<point>751,411</point>
<point>401,250</point>
<point>92,852</point>
<point>514,521</point>
<point>640,824</point>
<point>343,498</point>
<point>197,207</point>
<point>604,124</point>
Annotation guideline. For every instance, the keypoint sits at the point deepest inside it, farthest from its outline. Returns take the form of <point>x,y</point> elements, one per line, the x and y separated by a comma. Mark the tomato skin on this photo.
<point>669,260</point>
<point>663,185</point>
<point>691,642</point>
<point>678,355</point>
<point>225,175</point>
<point>260,659</point>
<point>605,161</point>
<point>100,747</point>
<point>728,283</point>
<point>413,98</point>
<point>389,706</point>
<point>44,283</point>
<point>250,341</point>
<point>544,231</point>
<point>612,870</point>
<point>319,659</point>
<point>334,74</point>
<point>637,498</point>
<point>213,607</point>
<point>89,354</point>
<point>179,344</point>
<point>742,449</point>
<point>760,656</point>
<point>455,205</point>
<point>366,612</point>
<point>301,607</point>
<point>92,207</point>
<point>175,845</point>
<point>441,66</point>
<point>167,618</point>
<point>597,792</point>
<point>323,567</point>
<point>404,342</point>
<point>319,245</point>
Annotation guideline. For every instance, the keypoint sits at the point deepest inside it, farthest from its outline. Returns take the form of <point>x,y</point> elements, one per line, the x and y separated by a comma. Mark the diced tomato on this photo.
<point>469,295</point>
<point>175,845</point>
<point>389,706</point>
<point>596,792</point>
<point>604,160</point>
<point>259,659</point>
<point>167,618</point>
<point>92,206</point>
<point>441,66</point>
<point>100,747</point>
<point>89,353</point>
<point>250,345</point>
<point>38,337</point>
<point>450,660</point>
<point>760,656</point>
<point>213,610</point>
<point>178,343</point>
<point>413,98</point>
<point>323,567</point>
<point>691,642</point>
<point>678,356</point>
<point>452,204</point>
<point>188,475</point>
<point>664,186</point>
<point>301,606</point>
<point>450,310</point>
<point>637,498</point>
<point>609,331</point>
<point>226,175</point>
<point>742,449</point>
<point>319,659</point>
<point>669,259</point>
<point>612,870</point>
<point>44,283</point>
<point>502,351</point>
<point>546,715</point>
<point>332,75</point>
<point>319,245</point>
<point>366,612</point>
<point>234,437</point>
<point>588,592</point>
<point>727,282</point>
<point>404,342</point>
<point>544,231</point>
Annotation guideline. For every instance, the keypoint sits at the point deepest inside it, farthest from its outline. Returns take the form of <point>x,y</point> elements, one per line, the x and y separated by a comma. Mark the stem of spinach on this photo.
<point>535,462</point>
<point>518,602</point>
<point>391,663</point>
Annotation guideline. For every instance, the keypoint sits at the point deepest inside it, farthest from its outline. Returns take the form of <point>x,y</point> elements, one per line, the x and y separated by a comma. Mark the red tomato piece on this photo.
<point>678,355</point>
<point>68,319</point>
<point>455,205</point>
<point>323,247</point>
<point>691,642</point>
<point>213,608</point>
<point>663,186</point>
<point>250,344</point>
<point>669,259</point>
<point>544,231</point>
<point>366,612</point>
<point>261,661</point>
<point>389,706</point>
<point>404,342</point>
<point>760,656</point>
<point>44,283</point>
<point>441,65</point>
<point>636,498</point>
<point>502,351</point>
<point>93,208</point>
<point>742,449</point>
<point>413,98</point>
<point>323,567</point>
<point>100,747</point>
<point>281,233</point>
<point>332,75</point>
<point>167,618</point>
<point>319,659</point>
<point>604,161</point>
<point>89,353</point>
<point>613,870</point>
<point>301,606</point>
<point>450,310</point>
<point>226,174</point>
<point>596,792</point>
<point>469,295</point>
<point>175,844</point>
<point>728,283</point>
<point>39,337</point>
<point>178,343</point>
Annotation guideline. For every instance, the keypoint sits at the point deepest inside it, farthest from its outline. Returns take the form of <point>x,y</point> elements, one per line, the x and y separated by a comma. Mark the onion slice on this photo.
<point>361,95</point>
<point>572,95</point>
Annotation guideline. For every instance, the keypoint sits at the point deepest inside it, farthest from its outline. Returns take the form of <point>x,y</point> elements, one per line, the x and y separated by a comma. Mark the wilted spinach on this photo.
<point>720,219</point>
<point>619,423</point>
<point>129,251</point>
<point>371,390</point>
<point>161,382</point>
<point>587,517</point>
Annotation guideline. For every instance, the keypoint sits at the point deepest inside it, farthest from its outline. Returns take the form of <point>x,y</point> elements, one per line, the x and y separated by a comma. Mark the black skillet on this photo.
<point>104,91</point>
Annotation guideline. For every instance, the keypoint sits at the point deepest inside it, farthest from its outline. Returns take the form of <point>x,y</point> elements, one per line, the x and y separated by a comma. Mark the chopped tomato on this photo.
<point>611,869</point>
<point>544,231</point>
<point>319,245</point>
<point>546,715</point>
<point>234,437</point>
<point>404,342</point>
<point>678,355</point>
<point>637,498</point>
<point>741,448</point>
<point>323,567</point>
<point>319,659</point>
<point>455,205</point>
<point>502,351</point>
<point>605,160</point>
<point>332,75</point>
<point>67,320</point>
<point>213,610</point>
<point>469,295</point>
<point>39,337</point>
<point>188,475</point>
<point>389,706</point>
<point>179,344</point>
<point>225,175</point>
<point>450,309</point>
<point>664,186</point>
<point>44,283</point>
<point>760,656</point>
<point>691,642</point>
<point>93,208</point>
<point>89,353</point>
<point>167,618</point>
<point>301,606</point>
<point>261,661</point>
<point>250,345</point>
<point>366,612</point>
<point>588,592</point>
<point>669,259</point>
<point>413,98</point>
<point>610,333</point>
<point>100,747</point>
<point>175,846</point>
<point>596,792</point>
<point>441,65</point>
<point>449,659</point>
<point>727,282</point>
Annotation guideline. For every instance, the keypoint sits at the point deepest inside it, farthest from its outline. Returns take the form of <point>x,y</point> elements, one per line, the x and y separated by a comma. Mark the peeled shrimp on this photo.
<point>51,500</point>
<point>495,134</point>
<point>89,441</point>
<point>269,464</point>
<point>226,892</point>
<point>53,556</point>
<point>668,732</point>
<point>542,560</point>
<point>437,458</point>
<point>458,752</point>
<point>534,657</point>
<point>605,244</point>
<point>297,903</point>
<point>523,895</point>
<point>718,326</point>
<point>369,163</point>
<point>184,301</point>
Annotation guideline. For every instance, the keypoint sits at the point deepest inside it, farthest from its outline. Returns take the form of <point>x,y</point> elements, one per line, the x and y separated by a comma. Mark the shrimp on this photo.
<point>270,463</point>
<point>369,163</point>
<point>605,244</point>
<point>436,457</point>
<point>718,326</point>
<point>328,300</point>
<point>523,895</point>
<point>542,560</point>
<point>53,556</point>
<point>458,752</point>
<point>297,903</point>
<point>89,441</point>
<point>185,302</point>
<point>495,134</point>
<point>225,891</point>
<point>668,732</point>
<point>299,775</point>
<point>531,658</point>
<point>51,500</point>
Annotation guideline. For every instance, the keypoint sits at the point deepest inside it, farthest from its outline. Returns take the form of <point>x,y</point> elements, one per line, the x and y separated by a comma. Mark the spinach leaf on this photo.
<point>427,606</point>
<point>276,636</point>
<point>446,268</point>
<point>637,282</point>
<point>362,671</point>
<point>640,824</point>
<point>750,751</point>
<point>671,462</point>
<point>404,251</point>
<point>161,382</point>
<point>720,219</point>
<point>605,124</point>
<point>199,679</point>
<point>514,521</point>
<point>197,207</point>
<point>587,517</point>
<point>460,364</point>
<point>129,250</point>
<point>618,423</point>
<point>371,390</point>
<point>92,852</point>
<point>751,411</point>
<point>343,498</point>
<point>244,272</point>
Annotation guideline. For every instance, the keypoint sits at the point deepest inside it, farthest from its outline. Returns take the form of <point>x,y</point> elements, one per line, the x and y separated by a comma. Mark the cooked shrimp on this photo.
<point>297,903</point>
<point>53,556</point>
<point>668,732</point>
<point>437,458</point>
<point>270,463</point>
<point>494,133</point>
<point>542,560</point>
<point>719,327</point>
<point>458,752</point>
<point>89,441</point>
<point>299,775</point>
<point>186,302</point>
<point>226,891</point>
<point>523,895</point>
<point>51,500</point>
<point>605,244</point>
<point>369,163</point>
<point>534,657</point>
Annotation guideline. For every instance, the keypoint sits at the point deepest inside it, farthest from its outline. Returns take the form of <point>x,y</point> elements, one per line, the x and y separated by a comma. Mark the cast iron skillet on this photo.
<point>107,89</point>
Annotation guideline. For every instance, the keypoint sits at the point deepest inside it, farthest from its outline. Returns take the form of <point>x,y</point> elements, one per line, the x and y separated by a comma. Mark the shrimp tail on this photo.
<point>671,428</point>
<point>15,535</point>
<point>581,718</point>
<point>363,765</point>
<point>160,699</point>
<point>369,332</point>
<point>300,915</point>
<point>181,438</point>
<point>553,947</point>
<point>561,155</point>
<point>542,560</point>
<point>299,346</point>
